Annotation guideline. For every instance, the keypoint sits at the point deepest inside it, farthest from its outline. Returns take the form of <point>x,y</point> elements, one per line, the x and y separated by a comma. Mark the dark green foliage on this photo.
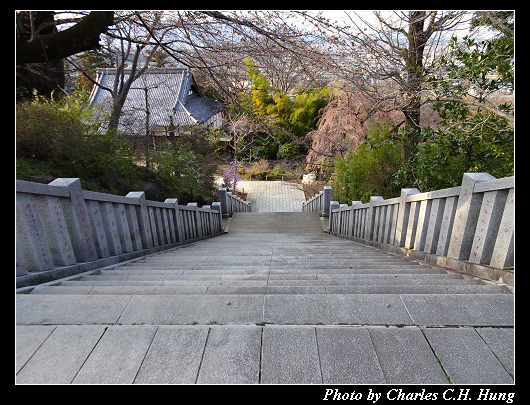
<point>54,139</point>
<point>265,147</point>
<point>288,150</point>
<point>55,135</point>
<point>368,170</point>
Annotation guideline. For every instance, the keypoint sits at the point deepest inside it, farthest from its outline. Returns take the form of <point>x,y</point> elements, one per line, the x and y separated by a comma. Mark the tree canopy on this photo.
<point>435,86</point>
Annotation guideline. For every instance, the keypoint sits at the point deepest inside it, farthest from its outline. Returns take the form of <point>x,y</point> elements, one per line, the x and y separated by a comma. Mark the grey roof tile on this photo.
<point>170,92</point>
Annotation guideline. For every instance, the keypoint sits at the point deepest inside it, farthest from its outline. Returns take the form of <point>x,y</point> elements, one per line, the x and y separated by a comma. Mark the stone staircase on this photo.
<point>276,300</point>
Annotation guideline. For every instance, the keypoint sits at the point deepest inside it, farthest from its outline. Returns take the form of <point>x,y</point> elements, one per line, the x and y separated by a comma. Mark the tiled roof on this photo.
<point>168,94</point>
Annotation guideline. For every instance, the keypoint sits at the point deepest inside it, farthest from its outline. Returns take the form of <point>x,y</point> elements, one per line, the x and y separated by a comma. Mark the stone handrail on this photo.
<point>319,203</point>
<point>63,230</point>
<point>466,228</point>
<point>231,203</point>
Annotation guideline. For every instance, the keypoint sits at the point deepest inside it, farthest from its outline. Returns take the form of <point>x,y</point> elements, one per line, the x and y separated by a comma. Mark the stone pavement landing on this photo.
<point>273,196</point>
<point>273,301</point>
<point>271,354</point>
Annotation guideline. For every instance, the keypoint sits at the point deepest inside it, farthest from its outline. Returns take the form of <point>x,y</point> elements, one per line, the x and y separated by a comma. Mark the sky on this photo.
<point>341,16</point>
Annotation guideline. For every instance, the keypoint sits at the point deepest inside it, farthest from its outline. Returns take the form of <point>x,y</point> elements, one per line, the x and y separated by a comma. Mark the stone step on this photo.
<point>216,259</point>
<point>361,270</point>
<point>258,249</point>
<point>275,246</point>
<point>260,283</point>
<point>223,289</point>
<point>297,286</point>
<point>246,270</point>
<point>284,279</point>
<point>276,223</point>
<point>212,264</point>
<point>275,296</point>
<point>244,309</point>
<point>273,262</point>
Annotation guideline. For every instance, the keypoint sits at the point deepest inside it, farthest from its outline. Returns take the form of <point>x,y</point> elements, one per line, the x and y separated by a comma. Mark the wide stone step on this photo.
<point>275,223</point>
<point>300,279</point>
<point>273,262</point>
<point>220,260</point>
<point>247,270</point>
<point>258,251</point>
<point>373,281</point>
<point>242,309</point>
<point>224,289</point>
<point>199,264</point>
<point>361,270</point>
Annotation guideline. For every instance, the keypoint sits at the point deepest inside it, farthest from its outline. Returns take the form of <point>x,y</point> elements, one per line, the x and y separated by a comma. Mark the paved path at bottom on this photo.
<point>275,300</point>
<point>273,196</point>
<point>250,354</point>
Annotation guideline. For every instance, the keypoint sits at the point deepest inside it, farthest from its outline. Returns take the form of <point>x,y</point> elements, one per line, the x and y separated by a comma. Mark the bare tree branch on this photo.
<point>494,110</point>
<point>497,22</point>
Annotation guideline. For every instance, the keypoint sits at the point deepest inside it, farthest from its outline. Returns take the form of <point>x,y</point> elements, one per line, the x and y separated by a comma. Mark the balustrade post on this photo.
<point>326,210</point>
<point>223,199</point>
<point>230,203</point>
<point>403,216</point>
<point>178,223</point>
<point>34,253</point>
<point>54,223</point>
<point>371,217</point>
<point>217,206</point>
<point>466,216</point>
<point>503,249</point>
<point>76,215</point>
<point>142,214</point>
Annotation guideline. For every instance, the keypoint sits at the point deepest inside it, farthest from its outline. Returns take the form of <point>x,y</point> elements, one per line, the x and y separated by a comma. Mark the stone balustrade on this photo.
<point>319,203</point>
<point>62,230</point>
<point>468,228</point>
<point>231,203</point>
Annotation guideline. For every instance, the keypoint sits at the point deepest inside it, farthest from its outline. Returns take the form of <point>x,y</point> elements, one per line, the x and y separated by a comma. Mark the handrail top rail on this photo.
<point>29,187</point>
<point>39,188</point>
<point>481,187</point>
<point>104,197</point>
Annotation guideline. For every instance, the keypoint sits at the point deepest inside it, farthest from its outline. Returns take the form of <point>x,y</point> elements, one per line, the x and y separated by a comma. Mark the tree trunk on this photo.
<point>45,77</point>
<point>46,47</point>
<point>412,120</point>
<point>417,40</point>
<point>114,119</point>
